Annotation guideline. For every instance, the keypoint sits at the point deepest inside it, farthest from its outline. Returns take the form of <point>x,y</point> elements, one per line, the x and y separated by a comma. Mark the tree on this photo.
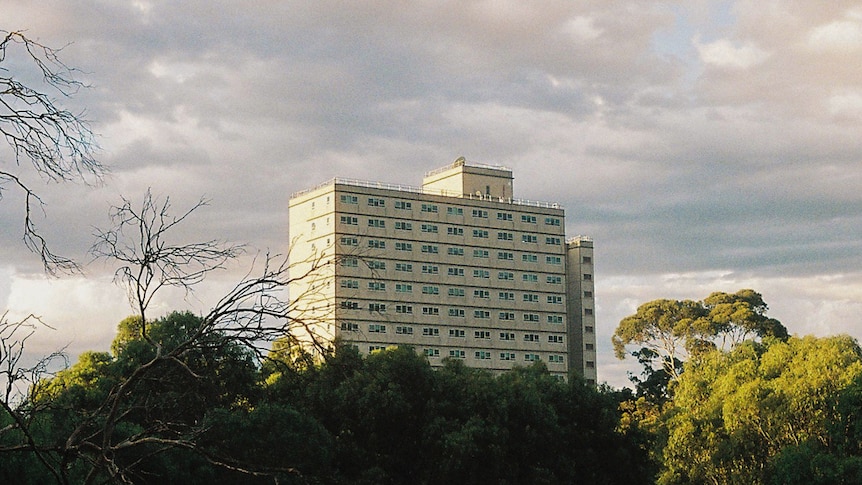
<point>669,329</point>
<point>674,330</point>
<point>57,144</point>
<point>123,427</point>
<point>733,413</point>
<point>741,315</point>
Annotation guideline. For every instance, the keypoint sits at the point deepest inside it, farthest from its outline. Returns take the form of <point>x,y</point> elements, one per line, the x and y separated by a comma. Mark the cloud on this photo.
<point>713,139</point>
<point>724,54</point>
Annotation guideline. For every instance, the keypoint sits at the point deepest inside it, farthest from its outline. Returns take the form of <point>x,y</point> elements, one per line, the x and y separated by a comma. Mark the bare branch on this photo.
<point>57,144</point>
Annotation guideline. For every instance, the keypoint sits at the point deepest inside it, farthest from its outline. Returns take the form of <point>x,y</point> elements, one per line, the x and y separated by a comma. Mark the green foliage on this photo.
<point>212,416</point>
<point>734,412</point>
<point>672,331</point>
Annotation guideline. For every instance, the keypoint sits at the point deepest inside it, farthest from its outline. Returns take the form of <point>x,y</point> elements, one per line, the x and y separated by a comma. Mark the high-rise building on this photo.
<point>457,268</point>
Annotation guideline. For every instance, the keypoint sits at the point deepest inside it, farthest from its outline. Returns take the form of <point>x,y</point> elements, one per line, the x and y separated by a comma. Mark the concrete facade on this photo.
<point>457,268</point>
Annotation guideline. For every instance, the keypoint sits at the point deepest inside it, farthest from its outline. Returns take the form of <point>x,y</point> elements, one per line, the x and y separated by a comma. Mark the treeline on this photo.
<point>213,416</point>
<point>748,404</point>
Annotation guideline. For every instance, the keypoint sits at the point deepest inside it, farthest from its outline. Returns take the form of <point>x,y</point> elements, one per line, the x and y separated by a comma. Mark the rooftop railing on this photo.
<point>422,190</point>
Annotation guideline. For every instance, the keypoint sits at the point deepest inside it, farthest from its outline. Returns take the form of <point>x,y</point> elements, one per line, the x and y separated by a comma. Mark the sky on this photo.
<point>704,145</point>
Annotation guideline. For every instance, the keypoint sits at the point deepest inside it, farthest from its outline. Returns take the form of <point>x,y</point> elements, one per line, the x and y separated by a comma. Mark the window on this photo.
<point>588,329</point>
<point>375,348</point>
<point>529,258</point>
<point>376,202</point>
<point>430,249</point>
<point>531,337</point>
<point>554,279</point>
<point>588,311</point>
<point>506,295</point>
<point>553,240</point>
<point>350,241</point>
<point>531,317</point>
<point>455,231</point>
<point>349,199</point>
<point>481,294</point>
<point>403,246</point>
<point>457,333</point>
<point>481,273</point>
<point>432,208</point>
<point>456,291</point>
<point>553,260</point>
<point>376,328</point>
<point>403,288</point>
<point>528,219</point>
<point>588,294</point>
<point>507,336</point>
<point>403,226</point>
<point>530,277</point>
<point>405,309</point>
<point>349,327</point>
<point>457,354</point>
<point>555,319</point>
<point>506,316</point>
<point>587,260</point>
<point>350,220</point>
<point>377,307</point>
<point>483,355</point>
<point>455,251</point>
<point>377,265</point>
<point>403,205</point>
<point>506,256</point>
<point>376,223</point>
<point>353,284</point>
<point>429,228</point>
<point>376,244</point>
<point>532,357</point>
<point>555,359</point>
<point>555,299</point>
<point>531,297</point>
<point>455,271</point>
<point>404,330</point>
<point>432,352</point>
<point>555,339</point>
<point>505,236</point>
<point>482,214</point>
<point>456,312</point>
<point>505,275</point>
<point>430,290</point>
<point>529,238</point>
<point>589,347</point>
<point>588,277</point>
<point>430,310</point>
<point>480,233</point>
<point>552,221</point>
<point>430,332</point>
<point>376,286</point>
<point>481,314</point>
<point>404,267</point>
<point>480,253</point>
<point>455,211</point>
<point>482,334</point>
<point>507,356</point>
<point>590,364</point>
<point>504,216</point>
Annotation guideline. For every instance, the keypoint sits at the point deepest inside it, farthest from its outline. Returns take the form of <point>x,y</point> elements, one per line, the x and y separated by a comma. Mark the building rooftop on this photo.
<point>422,190</point>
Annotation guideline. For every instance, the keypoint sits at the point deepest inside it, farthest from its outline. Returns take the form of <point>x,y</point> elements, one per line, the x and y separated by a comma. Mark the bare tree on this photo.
<point>18,380</point>
<point>43,137</point>
<point>253,314</point>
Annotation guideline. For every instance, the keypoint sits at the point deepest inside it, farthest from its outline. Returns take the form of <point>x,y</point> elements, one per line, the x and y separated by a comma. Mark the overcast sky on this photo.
<point>705,146</point>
